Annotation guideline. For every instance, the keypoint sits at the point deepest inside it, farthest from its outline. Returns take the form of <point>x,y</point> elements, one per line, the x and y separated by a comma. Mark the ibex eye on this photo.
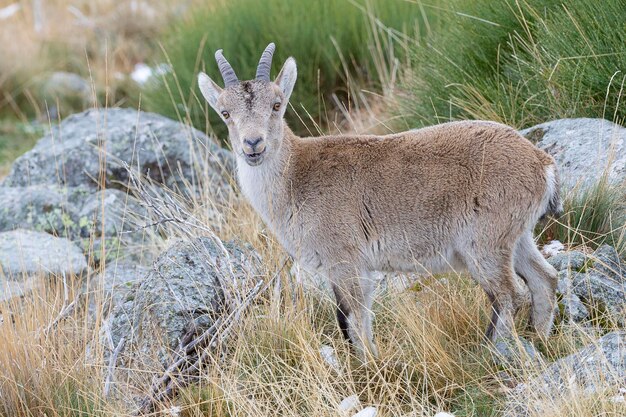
<point>225,114</point>
<point>276,106</point>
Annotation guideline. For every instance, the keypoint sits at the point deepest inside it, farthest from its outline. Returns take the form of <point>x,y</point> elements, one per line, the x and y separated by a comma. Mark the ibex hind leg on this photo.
<point>495,274</point>
<point>353,293</point>
<point>541,279</point>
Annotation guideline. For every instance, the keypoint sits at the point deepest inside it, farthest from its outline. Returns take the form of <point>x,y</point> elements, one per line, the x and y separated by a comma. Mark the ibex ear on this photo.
<point>209,89</point>
<point>287,77</point>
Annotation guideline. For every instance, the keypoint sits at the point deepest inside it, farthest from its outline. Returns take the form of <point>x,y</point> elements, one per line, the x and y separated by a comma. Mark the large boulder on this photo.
<point>57,187</point>
<point>114,218</point>
<point>185,286</point>
<point>598,367</point>
<point>27,258</point>
<point>90,148</point>
<point>43,208</point>
<point>582,149</point>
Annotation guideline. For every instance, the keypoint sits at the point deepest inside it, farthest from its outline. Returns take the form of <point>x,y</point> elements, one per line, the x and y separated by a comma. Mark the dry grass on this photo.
<point>101,41</point>
<point>432,353</point>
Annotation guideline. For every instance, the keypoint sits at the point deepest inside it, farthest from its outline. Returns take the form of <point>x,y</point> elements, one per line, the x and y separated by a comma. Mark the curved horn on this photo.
<point>265,63</point>
<point>228,74</point>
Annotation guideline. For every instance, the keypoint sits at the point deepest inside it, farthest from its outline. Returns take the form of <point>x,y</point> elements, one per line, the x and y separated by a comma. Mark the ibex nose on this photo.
<point>251,146</point>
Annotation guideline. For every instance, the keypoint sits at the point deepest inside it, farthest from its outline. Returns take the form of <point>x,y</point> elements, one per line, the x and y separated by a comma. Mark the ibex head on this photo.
<point>253,110</point>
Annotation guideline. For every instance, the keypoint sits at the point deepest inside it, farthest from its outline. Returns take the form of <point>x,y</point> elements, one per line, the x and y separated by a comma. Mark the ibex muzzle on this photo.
<point>461,195</point>
<point>254,149</point>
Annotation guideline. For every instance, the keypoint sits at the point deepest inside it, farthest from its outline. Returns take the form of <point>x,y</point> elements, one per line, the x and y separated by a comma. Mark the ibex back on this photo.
<point>460,195</point>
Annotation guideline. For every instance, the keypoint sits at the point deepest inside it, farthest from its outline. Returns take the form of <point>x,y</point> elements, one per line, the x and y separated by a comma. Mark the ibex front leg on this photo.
<point>353,293</point>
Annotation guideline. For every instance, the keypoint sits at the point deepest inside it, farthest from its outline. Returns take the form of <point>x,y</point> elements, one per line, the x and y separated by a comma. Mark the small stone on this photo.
<point>329,356</point>
<point>349,403</point>
<point>443,414</point>
<point>553,248</point>
<point>367,412</point>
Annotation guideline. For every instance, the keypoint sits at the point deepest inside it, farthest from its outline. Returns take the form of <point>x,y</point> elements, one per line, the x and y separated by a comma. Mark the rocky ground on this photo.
<point>71,205</point>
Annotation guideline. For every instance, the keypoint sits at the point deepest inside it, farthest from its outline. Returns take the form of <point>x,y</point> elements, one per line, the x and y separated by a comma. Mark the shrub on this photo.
<point>520,62</point>
<point>326,37</point>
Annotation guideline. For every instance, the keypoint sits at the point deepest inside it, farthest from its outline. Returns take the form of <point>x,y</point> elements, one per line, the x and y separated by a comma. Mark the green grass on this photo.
<point>330,39</point>
<point>15,139</point>
<point>592,216</point>
<point>519,62</point>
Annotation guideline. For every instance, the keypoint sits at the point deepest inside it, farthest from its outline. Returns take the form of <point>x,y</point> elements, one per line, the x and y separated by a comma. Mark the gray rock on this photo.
<point>564,285</point>
<point>185,286</point>
<point>608,262</point>
<point>93,145</point>
<point>600,290</point>
<point>111,213</point>
<point>41,208</point>
<point>604,293</point>
<point>582,148</point>
<point>573,260</point>
<point>569,308</point>
<point>515,352</point>
<point>66,92</point>
<point>115,219</point>
<point>114,286</point>
<point>594,368</point>
<point>54,187</point>
<point>27,258</point>
<point>91,219</point>
<point>10,289</point>
<point>28,253</point>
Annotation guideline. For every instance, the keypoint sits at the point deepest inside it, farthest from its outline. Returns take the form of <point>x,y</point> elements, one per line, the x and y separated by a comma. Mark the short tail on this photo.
<point>552,197</point>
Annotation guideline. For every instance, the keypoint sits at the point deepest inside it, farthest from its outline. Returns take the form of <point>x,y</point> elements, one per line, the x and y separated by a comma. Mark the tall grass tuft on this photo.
<point>520,62</point>
<point>331,41</point>
<point>593,215</point>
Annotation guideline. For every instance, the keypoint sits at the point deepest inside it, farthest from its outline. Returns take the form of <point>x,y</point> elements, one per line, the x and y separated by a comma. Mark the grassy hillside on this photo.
<point>333,41</point>
<point>519,62</point>
<point>405,64</point>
